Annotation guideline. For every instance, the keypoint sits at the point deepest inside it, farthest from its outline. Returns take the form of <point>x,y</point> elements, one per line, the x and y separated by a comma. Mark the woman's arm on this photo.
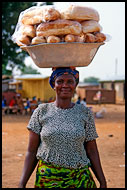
<point>30,159</point>
<point>93,155</point>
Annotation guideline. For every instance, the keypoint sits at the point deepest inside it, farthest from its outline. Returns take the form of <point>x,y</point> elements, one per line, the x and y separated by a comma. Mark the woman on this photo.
<point>62,140</point>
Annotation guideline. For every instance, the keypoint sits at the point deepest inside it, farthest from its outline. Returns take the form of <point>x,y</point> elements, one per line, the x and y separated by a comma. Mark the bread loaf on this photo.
<point>90,26</point>
<point>33,16</point>
<point>90,38</point>
<point>23,40</point>
<point>45,24</point>
<point>53,39</point>
<point>50,14</point>
<point>79,13</point>
<point>38,40</point>
<point>58,27</point>
<point>40,14</point>
<point>28,30</point>
<point>80,38</point>
<point>75,38</point>
<point>69,38</point>
<point>100,37</point>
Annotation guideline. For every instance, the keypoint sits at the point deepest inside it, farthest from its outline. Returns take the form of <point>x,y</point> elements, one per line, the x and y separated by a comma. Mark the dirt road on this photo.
<point>111,145</point>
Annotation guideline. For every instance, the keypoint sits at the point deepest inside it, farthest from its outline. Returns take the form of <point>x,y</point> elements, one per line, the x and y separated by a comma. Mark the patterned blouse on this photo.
<point>63,133</point>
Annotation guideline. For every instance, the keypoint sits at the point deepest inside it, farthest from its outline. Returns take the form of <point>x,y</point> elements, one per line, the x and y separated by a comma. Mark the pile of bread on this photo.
<point>47,24</point>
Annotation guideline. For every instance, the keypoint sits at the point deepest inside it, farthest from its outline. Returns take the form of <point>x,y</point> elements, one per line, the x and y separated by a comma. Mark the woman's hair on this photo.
<point>61,71</point>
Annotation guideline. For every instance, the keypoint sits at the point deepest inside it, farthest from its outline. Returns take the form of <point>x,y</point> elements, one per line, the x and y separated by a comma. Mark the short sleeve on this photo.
<point>34,124</point>
<point>90,129</point>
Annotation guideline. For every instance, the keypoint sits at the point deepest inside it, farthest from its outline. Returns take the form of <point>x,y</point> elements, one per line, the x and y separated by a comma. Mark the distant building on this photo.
<point>116,83</point>
<point>83,86</point>
<point>7,92</point>
<point>36,85</point>
<point>90,91</point>
<point>5,82</point>
<point>30,85</point>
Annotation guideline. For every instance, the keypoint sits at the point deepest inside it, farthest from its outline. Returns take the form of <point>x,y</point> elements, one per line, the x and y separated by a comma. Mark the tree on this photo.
<point>12,55</point>
<point>29,70</point>
<point>91,79</point>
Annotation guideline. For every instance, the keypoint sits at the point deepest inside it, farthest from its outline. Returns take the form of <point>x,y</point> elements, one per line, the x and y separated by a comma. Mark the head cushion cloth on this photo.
<point>61,71</point>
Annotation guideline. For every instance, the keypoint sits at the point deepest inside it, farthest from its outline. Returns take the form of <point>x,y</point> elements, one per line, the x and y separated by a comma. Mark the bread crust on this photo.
<point>53,39</point>
<point>33,16</point>
<point>28,30</point>
<point>50,14</point>
<point>90,26</point>
<point>59,27</point>
<point>69,38</point>
<point>100,37</point>
<point>23,40</point>
<point>90,38</point>
<point>80,38</point>
<point>38,40</point>
<point>80,13</point>
<point>40,14</point>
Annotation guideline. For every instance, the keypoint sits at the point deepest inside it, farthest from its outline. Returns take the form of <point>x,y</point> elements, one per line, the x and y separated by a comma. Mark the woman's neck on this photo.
<point>63,103</point>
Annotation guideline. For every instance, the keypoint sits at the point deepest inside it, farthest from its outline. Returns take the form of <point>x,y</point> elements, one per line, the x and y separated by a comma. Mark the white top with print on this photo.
<point>63,133</point>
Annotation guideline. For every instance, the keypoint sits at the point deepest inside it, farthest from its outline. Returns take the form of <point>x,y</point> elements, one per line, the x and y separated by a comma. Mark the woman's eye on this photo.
<point>67,82</point>
<point>70,82</point>
<point>59,82</point>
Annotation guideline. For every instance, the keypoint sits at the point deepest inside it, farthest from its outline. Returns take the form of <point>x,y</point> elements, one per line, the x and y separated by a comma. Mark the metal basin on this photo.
<point>48,55</point>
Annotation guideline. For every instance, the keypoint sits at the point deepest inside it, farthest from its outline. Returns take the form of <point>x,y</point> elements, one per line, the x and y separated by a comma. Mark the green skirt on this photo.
<point>49,176</point>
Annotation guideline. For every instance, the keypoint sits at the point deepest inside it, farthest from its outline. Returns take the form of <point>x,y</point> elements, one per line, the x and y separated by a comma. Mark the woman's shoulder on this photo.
<point>84,109</point>
<point>45,106</point>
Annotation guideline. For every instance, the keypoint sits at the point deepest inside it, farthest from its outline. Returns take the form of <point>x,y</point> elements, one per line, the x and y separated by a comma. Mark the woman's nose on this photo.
<point>65,84</point>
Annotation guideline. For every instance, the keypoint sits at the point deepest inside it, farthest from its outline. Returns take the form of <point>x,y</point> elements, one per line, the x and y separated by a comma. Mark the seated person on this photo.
<point>39,101</point>
<point>13,105</point>
<point>27,105</point>
<point>33,104</point>
<point>4,106</point>
<point>20,104</point>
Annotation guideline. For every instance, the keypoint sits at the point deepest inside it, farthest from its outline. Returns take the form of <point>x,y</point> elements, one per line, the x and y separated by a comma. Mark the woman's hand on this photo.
<point>21,186</point>
<point>103,185</point>
<point>93,155</point>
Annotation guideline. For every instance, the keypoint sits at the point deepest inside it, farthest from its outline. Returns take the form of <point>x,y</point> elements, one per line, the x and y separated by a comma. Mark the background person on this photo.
<point>4,105</point>
<point>39,101</point>
<point>13,105</point>
<point>83,102</point>
<point>62,140</point>
<point>79,100</point>
<point>27,105</point>
<point>20,105</point>
<point>33,104</point>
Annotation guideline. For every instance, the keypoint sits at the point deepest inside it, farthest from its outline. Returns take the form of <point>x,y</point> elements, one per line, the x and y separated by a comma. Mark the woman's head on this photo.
<point>64,81</point>
<point>63,71</point>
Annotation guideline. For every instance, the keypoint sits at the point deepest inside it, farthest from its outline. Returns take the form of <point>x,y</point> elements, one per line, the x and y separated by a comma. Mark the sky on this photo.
<point>110,58</point>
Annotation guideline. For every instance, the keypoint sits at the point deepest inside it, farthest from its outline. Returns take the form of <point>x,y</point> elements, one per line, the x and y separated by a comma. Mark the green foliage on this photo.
<point>49,3</point>
<point>29,70</point>
<point>11,56</point>
<point>91,80</point>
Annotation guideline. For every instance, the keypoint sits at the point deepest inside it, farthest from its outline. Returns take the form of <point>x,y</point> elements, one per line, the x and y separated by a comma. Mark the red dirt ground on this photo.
<point>111,148</point>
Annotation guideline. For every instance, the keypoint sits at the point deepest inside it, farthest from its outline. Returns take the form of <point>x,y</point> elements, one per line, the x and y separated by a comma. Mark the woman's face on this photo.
<point>65,86</point>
